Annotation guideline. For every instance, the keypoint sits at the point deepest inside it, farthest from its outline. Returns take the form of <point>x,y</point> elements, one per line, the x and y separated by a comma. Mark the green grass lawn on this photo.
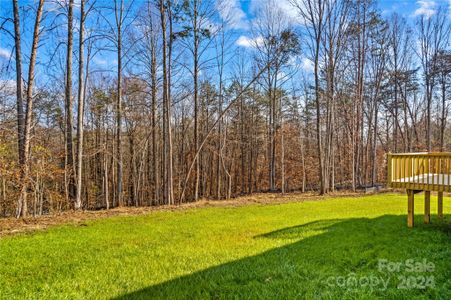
<point>311,249</point>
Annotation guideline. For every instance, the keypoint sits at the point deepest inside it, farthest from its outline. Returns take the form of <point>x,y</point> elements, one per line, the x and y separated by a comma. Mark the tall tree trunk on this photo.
<point>318,120</point>
<point>69,165</point>
<point>282,156</point>
<point>444,113</point>
<point>19,88</point>
<point>155,175</point>
<point>167,153</point>
<point>395,116</point>
<point>196,100</point>
<point>274,130</point>
<point>81,100</point>
<point>168,108</point>
<point>428,112</point>
<point>25,168</point>
<point>119,158</point>
<point>220,60</point>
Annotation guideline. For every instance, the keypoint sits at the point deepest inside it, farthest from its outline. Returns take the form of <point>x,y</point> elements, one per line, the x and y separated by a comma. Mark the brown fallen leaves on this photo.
<point>9,226</point>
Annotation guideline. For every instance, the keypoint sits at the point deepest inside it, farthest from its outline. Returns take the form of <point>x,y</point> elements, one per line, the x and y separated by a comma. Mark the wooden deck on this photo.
<point>417,172</point>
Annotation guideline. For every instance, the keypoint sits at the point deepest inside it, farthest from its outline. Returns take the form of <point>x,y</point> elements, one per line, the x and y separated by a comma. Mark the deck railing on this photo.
<point>420,171</point>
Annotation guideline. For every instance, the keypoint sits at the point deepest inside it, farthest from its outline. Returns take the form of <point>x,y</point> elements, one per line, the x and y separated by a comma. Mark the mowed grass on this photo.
<point>272,251</point>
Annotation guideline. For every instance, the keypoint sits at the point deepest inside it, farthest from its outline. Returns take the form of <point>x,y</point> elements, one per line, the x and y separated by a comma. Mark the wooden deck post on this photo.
<point>427,207</point>
<point>410,210</point>
<point>389,169</point>
<point>440,205</point>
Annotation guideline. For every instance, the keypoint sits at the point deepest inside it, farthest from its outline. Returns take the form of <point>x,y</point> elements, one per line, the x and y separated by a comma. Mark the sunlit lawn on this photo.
<point>293,250</point>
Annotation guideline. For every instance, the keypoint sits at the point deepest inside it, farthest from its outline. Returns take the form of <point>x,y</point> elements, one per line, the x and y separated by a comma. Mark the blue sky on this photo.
<point>241,14</point>
<point>409,9</point>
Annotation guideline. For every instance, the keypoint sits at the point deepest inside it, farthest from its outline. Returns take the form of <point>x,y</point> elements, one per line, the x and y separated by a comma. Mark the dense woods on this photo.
<point>153,102</point>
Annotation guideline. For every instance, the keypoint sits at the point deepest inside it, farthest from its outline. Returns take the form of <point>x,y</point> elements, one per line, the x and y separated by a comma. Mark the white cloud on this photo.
<point>307,65</point>
<point>99,61</point>
<point>285,7</point>
<point>426,8</point>
<point>288,9</point>
<point>399,7</point>
<point>104,62</point>
<point>230,11</point>
<point>246,42</point>
<point>5,53</point>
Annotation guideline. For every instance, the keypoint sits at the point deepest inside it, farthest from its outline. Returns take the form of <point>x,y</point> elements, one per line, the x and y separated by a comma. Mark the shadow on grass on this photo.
<point>313,253</point>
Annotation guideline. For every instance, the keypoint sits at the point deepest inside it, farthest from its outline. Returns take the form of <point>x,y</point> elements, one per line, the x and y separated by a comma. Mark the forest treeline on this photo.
<point>152,102</point>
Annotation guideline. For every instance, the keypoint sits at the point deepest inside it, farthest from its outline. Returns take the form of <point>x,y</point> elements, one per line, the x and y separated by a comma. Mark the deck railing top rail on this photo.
<point>444,154</point>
